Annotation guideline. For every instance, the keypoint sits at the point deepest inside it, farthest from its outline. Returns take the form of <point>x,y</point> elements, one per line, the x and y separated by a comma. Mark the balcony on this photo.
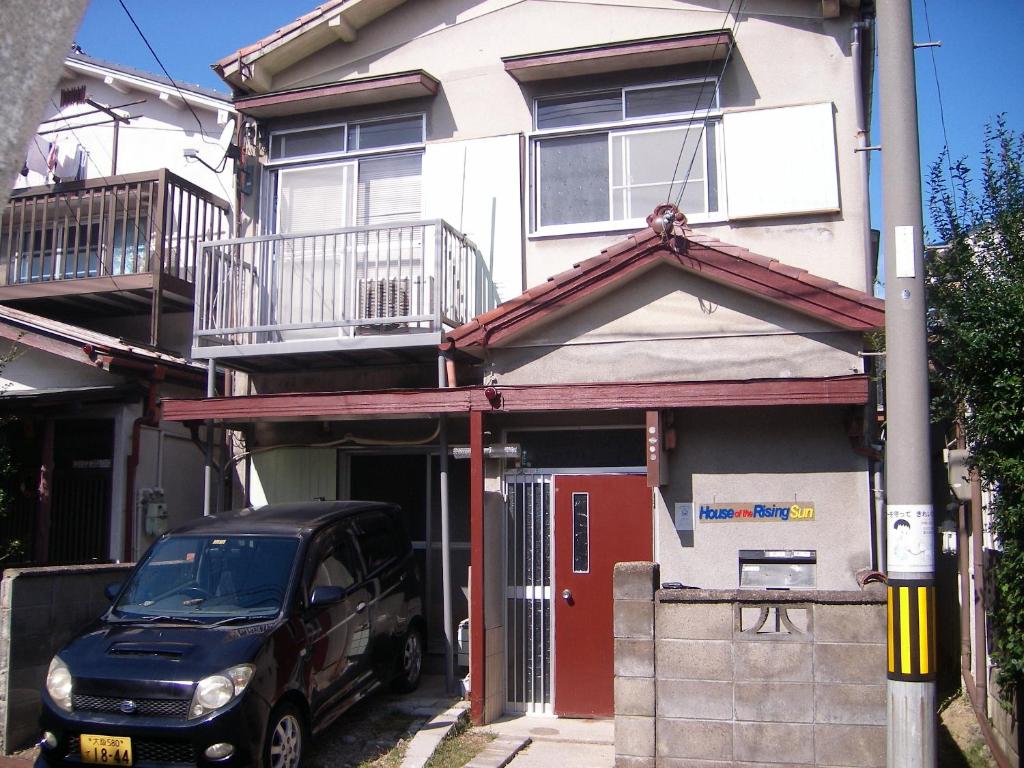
<point>124,245</point>
<point>364,290</point>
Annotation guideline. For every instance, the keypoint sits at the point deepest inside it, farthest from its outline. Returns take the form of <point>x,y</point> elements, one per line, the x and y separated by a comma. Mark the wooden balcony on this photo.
<point>119,246</point>
<point>376,292</point>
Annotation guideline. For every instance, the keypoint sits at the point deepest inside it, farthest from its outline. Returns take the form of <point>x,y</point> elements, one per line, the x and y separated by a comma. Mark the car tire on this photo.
<point>287,738</point>
<point>410,662</point>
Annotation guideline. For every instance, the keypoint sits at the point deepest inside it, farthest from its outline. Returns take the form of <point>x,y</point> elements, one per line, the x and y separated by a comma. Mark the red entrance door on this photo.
<point>600,520</point>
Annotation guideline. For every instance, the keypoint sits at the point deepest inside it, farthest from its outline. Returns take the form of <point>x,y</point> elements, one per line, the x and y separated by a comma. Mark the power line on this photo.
<point>942,114</point>
<point>167,74</point>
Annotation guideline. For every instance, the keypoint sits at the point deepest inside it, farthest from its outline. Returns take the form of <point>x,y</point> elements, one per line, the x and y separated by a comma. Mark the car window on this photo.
<point>377,539</point>
<point>338,564</point>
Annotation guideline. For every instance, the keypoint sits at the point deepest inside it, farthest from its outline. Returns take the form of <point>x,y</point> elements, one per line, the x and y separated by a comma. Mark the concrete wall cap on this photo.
<point>805,597</point>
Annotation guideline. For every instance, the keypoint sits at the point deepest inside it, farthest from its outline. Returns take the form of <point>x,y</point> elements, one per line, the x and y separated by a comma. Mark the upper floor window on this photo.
<point>333,140</point>
<point>606,159</point>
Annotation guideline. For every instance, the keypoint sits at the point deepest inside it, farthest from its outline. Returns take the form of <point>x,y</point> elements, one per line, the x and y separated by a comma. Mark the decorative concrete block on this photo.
<point>696,699</point>
<point>673,762</point>
<point>694,739</point>
<point>634,618</point>
<point>774,742</point>
<point>775,702</point>
<point>774,661</point>
<point>634,696</point>
<point>849,704</point>
<point>850,663</point>
<point>635,580</point>
<point>634,657</point>
<point>850,623</point>
<point>695,621</point>
<point>694,659</point>
<point>857,746</point>
<point>633,761</point>
<point>634,736</point>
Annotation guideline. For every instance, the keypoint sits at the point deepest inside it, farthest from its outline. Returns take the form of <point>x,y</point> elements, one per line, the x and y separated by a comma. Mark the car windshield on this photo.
<point>209,578</point>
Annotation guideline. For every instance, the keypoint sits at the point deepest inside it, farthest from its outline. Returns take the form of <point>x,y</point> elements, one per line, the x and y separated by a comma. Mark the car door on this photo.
<point>337,633</point>
<point>379,542</point>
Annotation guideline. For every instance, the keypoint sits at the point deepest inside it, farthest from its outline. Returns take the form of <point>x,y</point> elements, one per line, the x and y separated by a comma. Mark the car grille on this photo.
<point>177,708</point>
<point>148,751</point>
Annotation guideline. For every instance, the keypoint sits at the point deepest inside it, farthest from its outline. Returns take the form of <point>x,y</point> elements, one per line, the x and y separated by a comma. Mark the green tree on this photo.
<point>976,352</point>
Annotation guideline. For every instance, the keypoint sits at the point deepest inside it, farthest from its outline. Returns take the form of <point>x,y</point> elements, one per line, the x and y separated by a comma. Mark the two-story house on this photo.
<point>98,246</point>
<point>616,254</point>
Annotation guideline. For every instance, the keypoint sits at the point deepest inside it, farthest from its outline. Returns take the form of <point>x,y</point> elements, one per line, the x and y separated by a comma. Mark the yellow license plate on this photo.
<point>106,750</point>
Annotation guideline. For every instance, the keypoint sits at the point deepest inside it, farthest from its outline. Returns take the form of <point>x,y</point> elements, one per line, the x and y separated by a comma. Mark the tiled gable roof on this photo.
<point>730,265</point>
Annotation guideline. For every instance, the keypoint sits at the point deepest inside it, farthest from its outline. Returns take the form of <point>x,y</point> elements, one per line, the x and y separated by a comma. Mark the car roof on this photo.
<point>293,518</point>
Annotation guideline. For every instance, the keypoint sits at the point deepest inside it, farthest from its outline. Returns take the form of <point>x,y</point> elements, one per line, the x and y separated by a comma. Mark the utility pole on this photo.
<point>910,519</point>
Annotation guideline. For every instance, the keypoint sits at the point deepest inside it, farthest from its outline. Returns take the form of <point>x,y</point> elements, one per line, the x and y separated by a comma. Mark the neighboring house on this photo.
<point>98,248</point>
<point>414,163</point>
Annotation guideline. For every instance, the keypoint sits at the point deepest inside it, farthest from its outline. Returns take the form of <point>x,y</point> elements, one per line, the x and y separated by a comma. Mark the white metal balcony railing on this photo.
<point>363,287</point>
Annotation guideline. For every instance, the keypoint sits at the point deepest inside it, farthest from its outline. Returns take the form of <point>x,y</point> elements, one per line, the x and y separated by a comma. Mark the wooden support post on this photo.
<point>41,547</point>
<point>477,643</point>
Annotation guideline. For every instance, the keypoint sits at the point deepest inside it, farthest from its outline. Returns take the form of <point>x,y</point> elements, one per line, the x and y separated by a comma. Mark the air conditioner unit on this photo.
<point>383,299</point>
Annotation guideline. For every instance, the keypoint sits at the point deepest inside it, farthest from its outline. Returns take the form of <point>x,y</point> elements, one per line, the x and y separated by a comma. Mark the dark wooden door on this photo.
<point>600,520</point>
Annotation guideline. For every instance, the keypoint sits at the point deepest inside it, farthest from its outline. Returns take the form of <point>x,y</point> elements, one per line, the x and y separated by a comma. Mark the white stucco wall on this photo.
<point>669,325</point>
<point>786,54</point>
<point>34,369</point>
<point>155,138</point>
<point>765,455</point>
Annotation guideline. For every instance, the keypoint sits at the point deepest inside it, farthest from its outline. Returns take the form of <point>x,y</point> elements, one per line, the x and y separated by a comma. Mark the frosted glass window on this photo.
<point>390,189</point>
<point>579,109</point>
<point>386,133</point>
<point>319,141</point>
<point>573,173</point>
<point>676,99</point>
<point>642,171</point>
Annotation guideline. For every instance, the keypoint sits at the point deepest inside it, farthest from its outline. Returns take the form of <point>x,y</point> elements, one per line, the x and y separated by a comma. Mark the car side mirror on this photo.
<point>112,590</point>
<point>324,595</point>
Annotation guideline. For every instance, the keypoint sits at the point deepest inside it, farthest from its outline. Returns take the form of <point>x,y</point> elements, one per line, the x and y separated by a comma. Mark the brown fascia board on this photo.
<point>612,57</point>
<point>522,398</point>
<point>347,93</point>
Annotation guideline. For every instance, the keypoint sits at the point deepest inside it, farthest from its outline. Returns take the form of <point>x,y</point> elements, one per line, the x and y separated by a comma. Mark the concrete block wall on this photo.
<point>698,686</point>
<point>41,609</point>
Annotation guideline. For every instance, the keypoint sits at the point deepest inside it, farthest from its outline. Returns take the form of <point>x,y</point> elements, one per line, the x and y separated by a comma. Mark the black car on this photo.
<point>237,636</point>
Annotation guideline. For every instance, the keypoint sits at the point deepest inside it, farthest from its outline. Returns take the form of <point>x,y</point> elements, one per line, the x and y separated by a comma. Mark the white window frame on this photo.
<point>347,153</point>
<point>713,117</point>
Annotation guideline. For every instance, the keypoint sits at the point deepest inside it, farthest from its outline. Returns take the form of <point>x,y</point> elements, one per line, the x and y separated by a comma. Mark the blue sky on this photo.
<point>979,65</point>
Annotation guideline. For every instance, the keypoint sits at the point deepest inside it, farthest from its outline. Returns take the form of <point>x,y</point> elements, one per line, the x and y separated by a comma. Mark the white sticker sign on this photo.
<point>910,538</point>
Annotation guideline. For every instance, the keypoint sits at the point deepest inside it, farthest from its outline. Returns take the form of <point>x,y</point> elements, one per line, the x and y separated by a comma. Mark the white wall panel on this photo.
<point>293,474</point>
<point>474,186</point>
<point>781,161</point>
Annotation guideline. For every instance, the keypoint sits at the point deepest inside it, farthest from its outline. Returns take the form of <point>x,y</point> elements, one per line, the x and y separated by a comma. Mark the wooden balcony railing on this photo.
<point>144,223</point>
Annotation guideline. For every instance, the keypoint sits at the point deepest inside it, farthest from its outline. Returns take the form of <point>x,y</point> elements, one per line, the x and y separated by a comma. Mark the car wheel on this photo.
<point>410,663</point>
<point>286,739</point>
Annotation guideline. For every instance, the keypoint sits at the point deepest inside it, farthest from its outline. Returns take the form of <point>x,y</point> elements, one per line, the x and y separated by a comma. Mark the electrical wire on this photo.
<point>167,74</point>
<point>700,96</point>
<point>707,109</point>
<point>942,115</point>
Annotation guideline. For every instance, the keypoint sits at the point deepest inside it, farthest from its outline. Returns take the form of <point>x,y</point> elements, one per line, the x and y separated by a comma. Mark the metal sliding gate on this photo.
<point>528,611</point>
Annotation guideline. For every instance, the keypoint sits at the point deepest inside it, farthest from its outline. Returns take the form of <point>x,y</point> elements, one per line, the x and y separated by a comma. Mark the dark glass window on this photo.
<point>581,533</point>
<point>377,540</point>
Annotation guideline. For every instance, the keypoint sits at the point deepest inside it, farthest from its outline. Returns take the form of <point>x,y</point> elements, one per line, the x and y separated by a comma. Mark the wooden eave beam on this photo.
<point>44,343</point>
<point>612,396</point>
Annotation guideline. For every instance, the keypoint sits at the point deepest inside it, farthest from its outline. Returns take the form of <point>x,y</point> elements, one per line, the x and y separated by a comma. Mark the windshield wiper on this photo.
<point>149,619</point>
<point>245,619</point>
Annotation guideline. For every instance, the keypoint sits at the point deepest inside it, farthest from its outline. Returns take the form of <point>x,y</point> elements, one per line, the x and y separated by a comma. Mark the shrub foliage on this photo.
<point>976,352</point>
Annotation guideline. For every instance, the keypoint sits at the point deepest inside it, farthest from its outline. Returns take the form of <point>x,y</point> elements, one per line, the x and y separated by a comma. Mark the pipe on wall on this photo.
<point>148,418</point>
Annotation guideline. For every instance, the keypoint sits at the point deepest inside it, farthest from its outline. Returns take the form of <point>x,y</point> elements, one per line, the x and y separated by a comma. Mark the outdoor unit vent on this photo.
<point>383,299</point>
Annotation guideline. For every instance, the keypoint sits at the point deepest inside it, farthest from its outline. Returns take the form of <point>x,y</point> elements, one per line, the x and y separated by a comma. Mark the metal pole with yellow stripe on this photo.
<point>910,520</point>
<point>911,630</point>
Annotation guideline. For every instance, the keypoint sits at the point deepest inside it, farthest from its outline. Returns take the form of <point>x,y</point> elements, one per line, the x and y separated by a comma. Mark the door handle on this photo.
<point>361,607</point>
<point>567,595</point>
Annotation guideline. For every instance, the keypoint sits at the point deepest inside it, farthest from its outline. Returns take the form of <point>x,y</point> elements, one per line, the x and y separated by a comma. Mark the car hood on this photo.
<point>157,659</point>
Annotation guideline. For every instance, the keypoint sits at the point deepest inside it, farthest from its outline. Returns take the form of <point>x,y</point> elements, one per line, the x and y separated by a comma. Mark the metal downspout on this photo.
<point>862,153</point>
<point>211,388</point>
<point>446,565</point>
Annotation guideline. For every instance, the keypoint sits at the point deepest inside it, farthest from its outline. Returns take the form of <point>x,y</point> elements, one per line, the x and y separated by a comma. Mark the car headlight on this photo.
<point>58,683</point>
<point>218,690</point>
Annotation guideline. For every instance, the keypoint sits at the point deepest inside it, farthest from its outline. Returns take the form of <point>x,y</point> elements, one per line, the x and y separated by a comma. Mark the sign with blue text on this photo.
<point>755,511</point>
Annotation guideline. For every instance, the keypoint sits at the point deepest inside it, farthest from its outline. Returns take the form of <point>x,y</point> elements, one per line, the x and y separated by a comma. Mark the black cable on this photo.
<point>707,110</point>
<point>942,115</point>
<point>700,95</point>
<point>163,68</point>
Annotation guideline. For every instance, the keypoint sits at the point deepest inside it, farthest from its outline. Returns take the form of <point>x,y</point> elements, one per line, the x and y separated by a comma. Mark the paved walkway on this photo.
<point>561,742</point>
